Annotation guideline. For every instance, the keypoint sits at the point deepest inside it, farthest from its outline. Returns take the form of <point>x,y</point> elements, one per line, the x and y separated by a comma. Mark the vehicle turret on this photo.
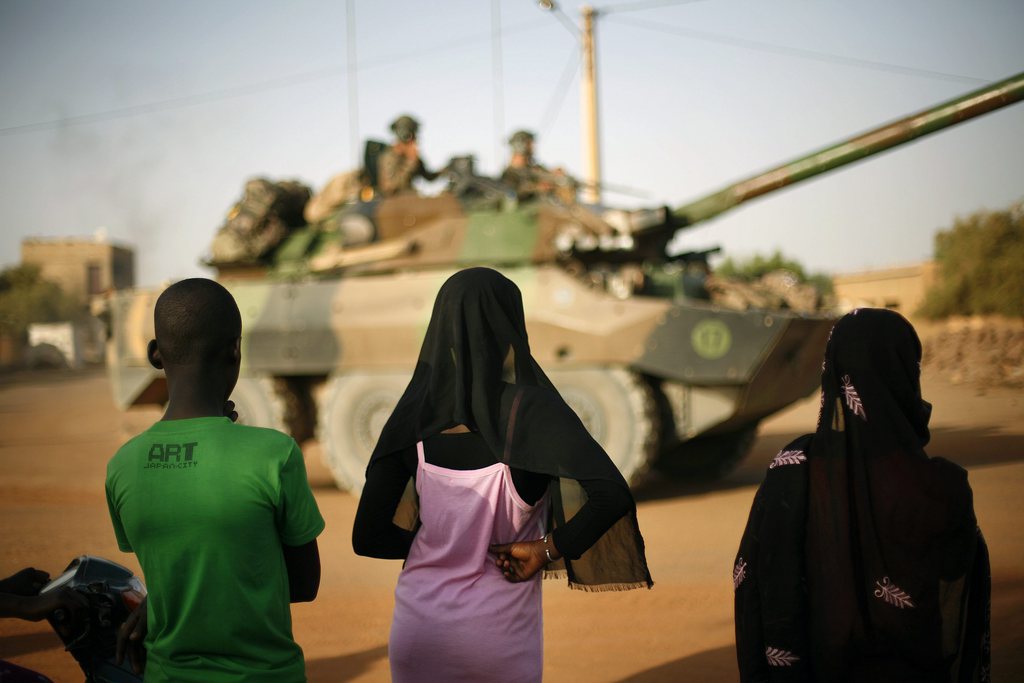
<point>479,221</point>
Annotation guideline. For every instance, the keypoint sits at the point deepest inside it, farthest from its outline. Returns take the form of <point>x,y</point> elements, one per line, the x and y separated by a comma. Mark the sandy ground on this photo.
<point>57,430</point>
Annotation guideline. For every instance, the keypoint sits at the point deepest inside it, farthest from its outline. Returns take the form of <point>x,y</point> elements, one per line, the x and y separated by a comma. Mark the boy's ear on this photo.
<point>236,350</point>
<point>153,355</point>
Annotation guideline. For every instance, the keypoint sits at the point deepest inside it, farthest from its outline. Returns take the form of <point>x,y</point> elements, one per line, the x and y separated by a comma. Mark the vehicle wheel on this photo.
<point>617,408</point>
<point>353,408</point>
<point>258,404</point>
<point>710,457</point>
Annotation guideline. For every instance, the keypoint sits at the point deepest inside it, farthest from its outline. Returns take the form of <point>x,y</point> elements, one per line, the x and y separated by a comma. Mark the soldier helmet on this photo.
<point>521,141</point>
<point>405,128</point>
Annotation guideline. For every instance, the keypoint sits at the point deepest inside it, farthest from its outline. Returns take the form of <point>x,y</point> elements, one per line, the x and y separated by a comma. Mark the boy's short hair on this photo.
<point>195,319</point>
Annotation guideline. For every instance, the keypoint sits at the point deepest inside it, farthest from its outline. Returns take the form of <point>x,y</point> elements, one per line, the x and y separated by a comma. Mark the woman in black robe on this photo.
<point>862,559</point>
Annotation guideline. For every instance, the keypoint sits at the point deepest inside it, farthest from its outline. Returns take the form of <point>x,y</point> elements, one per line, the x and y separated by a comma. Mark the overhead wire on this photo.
<point>176,102</point>
<point>282,82</point>
<point>615,11</point>
<point>562,18</point>
<point>642,5</point>
<point>799,52</point>
<point>557,99</point>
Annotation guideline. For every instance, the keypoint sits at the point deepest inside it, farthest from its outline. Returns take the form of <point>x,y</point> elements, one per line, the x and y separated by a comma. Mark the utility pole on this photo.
<point>588,110</point>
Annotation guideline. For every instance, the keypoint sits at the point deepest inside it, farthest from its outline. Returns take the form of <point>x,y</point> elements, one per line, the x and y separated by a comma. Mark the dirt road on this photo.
<point>58,430</point>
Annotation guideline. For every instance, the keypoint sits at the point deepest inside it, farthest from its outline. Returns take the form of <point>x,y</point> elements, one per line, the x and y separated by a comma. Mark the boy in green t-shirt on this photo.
<point>220,515</point>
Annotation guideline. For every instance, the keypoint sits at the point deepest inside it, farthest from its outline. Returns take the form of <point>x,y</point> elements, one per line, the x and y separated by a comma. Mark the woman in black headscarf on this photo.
<point>478,399</point>
<point>862,559</point>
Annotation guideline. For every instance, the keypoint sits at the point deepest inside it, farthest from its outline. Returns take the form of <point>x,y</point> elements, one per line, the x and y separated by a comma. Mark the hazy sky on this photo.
<point>146,118</point>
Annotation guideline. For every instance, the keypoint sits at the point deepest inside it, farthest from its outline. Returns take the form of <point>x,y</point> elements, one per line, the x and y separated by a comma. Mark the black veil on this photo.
<point>475,369</point>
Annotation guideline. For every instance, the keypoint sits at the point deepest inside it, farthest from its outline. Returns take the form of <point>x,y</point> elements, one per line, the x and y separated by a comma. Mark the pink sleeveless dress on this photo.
<point>456,617</point>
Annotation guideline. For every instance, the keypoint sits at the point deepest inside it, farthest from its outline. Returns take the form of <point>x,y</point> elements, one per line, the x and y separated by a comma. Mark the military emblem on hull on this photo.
<point>711,339</point>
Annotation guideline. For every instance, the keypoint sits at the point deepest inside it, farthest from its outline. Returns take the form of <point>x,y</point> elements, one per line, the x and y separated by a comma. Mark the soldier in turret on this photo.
<point>400,164</point>
<point>530,179</point>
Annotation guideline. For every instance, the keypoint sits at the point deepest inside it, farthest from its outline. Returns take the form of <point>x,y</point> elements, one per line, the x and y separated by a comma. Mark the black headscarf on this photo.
<point>862,558</point>
<point>475,369</point>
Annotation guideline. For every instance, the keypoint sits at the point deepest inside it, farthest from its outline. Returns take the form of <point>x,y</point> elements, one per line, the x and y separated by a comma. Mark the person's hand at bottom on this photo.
<point>131,638</point>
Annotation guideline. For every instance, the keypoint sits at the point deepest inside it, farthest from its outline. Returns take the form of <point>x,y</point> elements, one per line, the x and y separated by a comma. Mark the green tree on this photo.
<point>981,266</point>
<point>758,265</point>
<point>25,298</point>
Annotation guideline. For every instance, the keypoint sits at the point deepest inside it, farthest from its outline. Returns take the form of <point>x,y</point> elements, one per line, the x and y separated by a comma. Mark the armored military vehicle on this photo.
<point>659,374</point>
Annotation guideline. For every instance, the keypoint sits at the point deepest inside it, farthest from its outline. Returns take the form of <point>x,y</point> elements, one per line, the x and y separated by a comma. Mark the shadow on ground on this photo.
<point>717,665</point>
<point>975,447</point>
<point>1008,645</point>
<point>26,643</point>
<point>1008,627</point>
<point>344,667</point>
<point>47,376</point>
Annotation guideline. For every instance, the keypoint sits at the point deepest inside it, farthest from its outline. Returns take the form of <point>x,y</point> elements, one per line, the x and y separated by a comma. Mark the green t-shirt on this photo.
<point>206,505</point>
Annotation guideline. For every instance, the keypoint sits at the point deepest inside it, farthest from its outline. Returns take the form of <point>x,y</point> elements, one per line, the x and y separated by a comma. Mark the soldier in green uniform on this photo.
<point>400,164</point>
<point>530,179</point>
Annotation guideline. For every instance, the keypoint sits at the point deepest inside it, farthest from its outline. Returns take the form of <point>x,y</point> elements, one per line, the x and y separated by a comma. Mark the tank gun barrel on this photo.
<point>893,134</point>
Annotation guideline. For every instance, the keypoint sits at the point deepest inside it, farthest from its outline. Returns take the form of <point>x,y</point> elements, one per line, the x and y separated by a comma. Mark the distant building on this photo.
<point>83,267</point>
<point>902,289</point>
